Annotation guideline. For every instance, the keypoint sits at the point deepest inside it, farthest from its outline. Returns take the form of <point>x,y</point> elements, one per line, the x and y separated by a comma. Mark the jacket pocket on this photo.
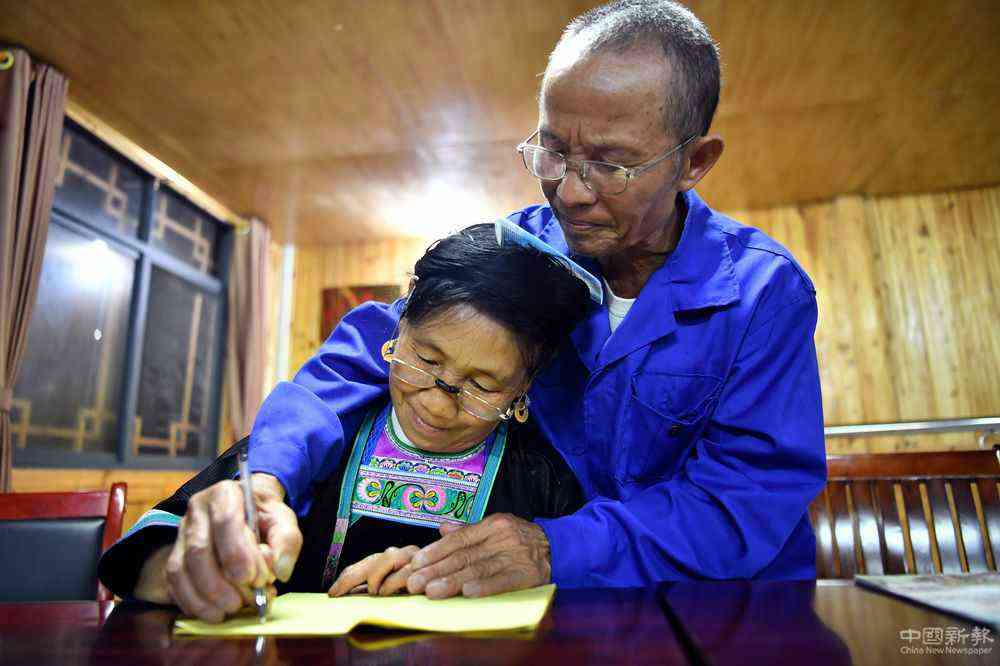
<point>664,412</point>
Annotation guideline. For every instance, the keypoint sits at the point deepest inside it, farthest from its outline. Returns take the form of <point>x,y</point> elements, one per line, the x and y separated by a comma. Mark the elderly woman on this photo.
<point>452,444</point>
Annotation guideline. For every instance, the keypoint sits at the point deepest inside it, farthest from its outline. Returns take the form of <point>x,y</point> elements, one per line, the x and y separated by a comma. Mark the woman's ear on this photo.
<point>529,377</point>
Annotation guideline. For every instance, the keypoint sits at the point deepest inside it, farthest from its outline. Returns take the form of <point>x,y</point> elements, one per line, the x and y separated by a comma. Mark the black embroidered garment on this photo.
<point>532,481</point>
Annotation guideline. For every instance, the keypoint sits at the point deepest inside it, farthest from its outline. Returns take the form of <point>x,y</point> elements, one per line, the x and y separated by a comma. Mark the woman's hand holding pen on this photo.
<point>216,562</point>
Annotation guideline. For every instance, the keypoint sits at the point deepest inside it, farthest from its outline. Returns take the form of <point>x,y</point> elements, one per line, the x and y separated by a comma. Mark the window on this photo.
<point>123,363</point>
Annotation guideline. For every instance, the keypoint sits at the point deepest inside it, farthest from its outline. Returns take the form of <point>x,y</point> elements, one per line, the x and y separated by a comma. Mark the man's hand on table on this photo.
<point>211,569</point>
<point>499,554</point>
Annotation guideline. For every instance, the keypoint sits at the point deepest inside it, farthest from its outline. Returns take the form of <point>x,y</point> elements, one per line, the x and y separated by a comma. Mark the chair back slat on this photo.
<point>115,516</point>
<point>843,529</point>
<point>867,528</point>
<point>819,516</point>
<point>916,522</point>
<point>912,513</point>
<point>17,506</point>
<point>894,545</point>
<point>945,538</point>
<point>973,537</point>
<point>989,498</point>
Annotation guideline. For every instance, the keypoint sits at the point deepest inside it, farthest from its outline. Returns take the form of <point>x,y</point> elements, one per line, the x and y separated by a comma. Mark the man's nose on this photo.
<point>572,190</point>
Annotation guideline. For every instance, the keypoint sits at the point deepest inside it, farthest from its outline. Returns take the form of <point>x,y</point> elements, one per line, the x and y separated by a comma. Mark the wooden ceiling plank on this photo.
<point>328,117</point>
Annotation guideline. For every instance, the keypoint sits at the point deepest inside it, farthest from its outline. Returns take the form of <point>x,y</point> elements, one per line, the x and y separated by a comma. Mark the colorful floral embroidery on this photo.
<point>423,468</point>
<point>370,489</point>
<point>429,498</point>
<point>404,484</point>
<point>387,479</point>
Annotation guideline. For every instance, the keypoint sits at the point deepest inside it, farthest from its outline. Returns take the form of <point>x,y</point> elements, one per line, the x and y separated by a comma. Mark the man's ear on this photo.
<point>702,156</point>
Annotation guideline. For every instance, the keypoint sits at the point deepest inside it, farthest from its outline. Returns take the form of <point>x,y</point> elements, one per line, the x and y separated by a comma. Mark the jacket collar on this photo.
<point>699,274</point>
<point>700,269</point>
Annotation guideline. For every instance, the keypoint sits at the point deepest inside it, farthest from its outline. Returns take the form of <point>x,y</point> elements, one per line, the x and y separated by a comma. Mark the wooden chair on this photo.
<point>51,543</point>
<point>908,513</point>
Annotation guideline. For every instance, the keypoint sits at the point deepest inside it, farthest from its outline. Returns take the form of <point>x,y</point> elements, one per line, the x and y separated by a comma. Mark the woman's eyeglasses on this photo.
<point>471,403</point>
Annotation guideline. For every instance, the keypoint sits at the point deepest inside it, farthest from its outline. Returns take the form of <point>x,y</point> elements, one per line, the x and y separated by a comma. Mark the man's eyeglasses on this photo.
<point>599,177</point>
<point>476,405</point>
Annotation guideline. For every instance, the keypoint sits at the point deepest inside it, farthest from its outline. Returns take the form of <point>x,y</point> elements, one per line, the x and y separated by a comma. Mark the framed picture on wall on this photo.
<point>338,301</point>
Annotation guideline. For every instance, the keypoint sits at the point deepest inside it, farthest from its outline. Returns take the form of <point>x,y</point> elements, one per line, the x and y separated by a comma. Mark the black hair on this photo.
<point>689,50</point>
<point>524,290</point>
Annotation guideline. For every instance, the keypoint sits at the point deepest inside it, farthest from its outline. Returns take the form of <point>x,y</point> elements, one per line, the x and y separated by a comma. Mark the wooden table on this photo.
<point>719,623</point>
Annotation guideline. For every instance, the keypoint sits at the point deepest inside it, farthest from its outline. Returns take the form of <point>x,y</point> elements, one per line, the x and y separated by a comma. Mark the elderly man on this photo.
<point>688,406</point>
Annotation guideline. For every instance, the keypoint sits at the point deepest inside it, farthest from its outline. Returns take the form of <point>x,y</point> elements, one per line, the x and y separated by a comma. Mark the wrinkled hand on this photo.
<point>384,573</point>
<point>215,562</point>
<point>499,554</point>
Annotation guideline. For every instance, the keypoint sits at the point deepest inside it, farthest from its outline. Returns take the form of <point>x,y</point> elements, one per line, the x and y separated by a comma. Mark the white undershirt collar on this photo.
<point>617,307</point>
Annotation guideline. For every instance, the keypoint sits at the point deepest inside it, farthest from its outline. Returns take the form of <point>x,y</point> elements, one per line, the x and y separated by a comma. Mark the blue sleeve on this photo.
<point>301,429</point>
<point>742,493</point>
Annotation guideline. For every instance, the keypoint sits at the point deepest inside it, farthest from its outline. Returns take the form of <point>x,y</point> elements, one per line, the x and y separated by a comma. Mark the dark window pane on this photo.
<point>184,231</point>
<point>66,397</point>
<point>176,384</point>
<point>95,185</point>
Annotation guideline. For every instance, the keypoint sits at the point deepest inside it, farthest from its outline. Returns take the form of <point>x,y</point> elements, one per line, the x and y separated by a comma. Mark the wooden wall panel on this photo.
<point>908,308</point>
<point>319,267</point>
<point>907,296</point>
<point>145,488</point>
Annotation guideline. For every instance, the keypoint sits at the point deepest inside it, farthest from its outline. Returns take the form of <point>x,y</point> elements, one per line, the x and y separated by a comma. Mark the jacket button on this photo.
<point>675,430</point>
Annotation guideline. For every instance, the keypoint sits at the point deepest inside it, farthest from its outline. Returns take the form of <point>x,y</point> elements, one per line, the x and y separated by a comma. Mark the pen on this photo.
<point>259,593</point>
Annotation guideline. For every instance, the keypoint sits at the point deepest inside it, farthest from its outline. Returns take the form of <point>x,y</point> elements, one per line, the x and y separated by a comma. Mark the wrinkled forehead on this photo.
<point>468,342</point>
<point>638,65</point>
<point>608,92</point>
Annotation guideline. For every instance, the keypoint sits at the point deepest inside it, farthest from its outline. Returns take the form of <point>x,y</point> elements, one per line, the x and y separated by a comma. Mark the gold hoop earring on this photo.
<point>521,409</point>
<point>387,349</point>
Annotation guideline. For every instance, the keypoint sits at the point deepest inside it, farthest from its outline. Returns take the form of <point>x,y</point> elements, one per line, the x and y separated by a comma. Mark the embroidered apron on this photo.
<point>386,478</point>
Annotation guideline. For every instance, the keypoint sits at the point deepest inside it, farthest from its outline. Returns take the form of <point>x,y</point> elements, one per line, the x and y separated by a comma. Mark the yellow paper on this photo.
<point>302,614</point>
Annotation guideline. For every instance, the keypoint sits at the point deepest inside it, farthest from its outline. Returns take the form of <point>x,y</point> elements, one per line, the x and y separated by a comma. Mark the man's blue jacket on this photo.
<point>696,430</point>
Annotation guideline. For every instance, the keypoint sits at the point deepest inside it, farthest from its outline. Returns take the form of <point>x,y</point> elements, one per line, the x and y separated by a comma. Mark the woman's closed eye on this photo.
<point>484,386</point>
<point>480,388</point>
<point>427,361</point>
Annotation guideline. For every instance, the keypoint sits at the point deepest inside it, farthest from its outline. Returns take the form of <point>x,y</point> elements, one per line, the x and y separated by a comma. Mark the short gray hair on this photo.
<point>689,50</point>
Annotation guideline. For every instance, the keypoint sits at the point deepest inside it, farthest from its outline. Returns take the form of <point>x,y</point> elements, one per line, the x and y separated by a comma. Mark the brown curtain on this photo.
<point>247,326</point>
<point>32,104</point>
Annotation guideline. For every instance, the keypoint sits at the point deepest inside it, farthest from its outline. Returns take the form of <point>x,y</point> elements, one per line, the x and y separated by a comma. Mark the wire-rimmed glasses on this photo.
<point>598,177</point>
<point>471,403</point>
